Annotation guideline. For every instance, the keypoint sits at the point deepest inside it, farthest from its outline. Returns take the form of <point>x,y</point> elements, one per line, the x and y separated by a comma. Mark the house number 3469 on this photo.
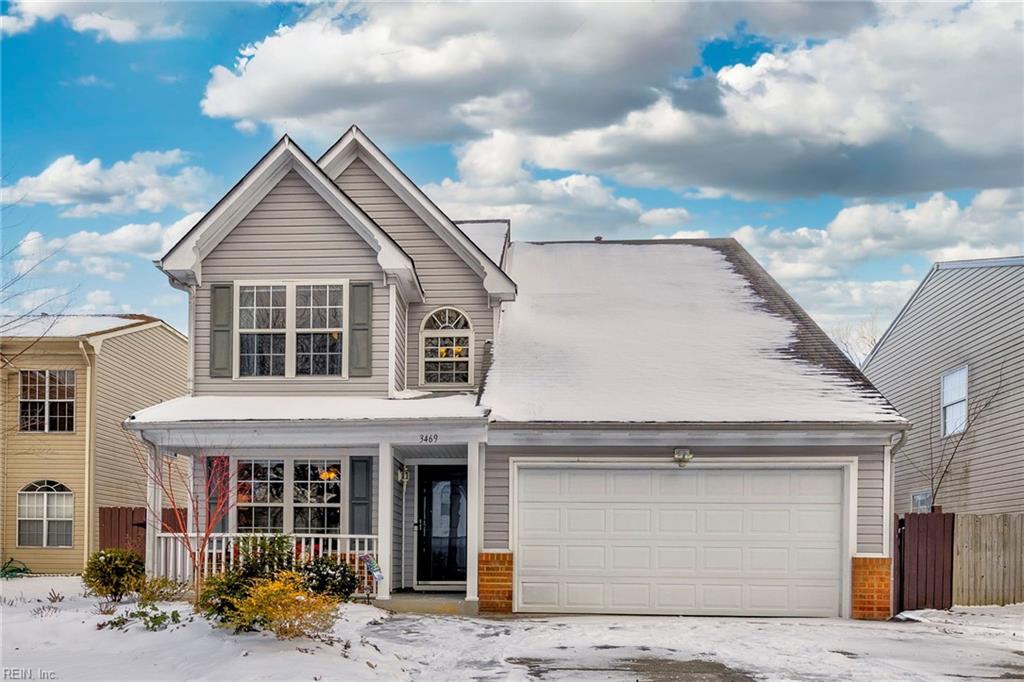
<point>428,438</point>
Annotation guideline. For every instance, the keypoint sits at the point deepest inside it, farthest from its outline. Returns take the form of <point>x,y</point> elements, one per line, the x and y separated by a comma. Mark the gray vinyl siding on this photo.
<point>446,279</point>
<point>869,484</point>
<point>133,371</point>
<point>401,318</point>
<point>292,234</point>
<point>961,316</point>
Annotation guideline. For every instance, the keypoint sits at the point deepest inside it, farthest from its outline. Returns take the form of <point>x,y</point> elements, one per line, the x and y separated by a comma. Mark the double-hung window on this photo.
<point>46,400</point>
<point>954,401</point>
<point>260,496</point>
<point>262,330</point>
<point>291,329</point>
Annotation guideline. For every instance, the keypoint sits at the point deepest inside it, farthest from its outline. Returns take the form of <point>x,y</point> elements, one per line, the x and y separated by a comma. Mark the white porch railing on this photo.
<point>225,551</point>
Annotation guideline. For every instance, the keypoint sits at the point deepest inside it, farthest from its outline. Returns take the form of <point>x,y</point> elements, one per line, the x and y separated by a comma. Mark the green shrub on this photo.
<point>264,557</point>
<point>113,573</point>
<point>283,606</point>
<point>220,593</point>
<point>328,576</point>
<point>158,588</point>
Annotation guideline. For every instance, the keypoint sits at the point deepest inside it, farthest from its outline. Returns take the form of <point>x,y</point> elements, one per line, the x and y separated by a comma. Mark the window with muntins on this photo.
<point>319,322</point>
<point>292,329</point>
<point>262,325</point>
<point>316,487</point>
<point>46,512</point>
<point>46,400</point>
<point>446,340</point>
<point>954,401</point>
<point>260,496</point>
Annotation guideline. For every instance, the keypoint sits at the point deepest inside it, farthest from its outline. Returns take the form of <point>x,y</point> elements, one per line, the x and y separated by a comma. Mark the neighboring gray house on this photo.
<point>952,362</point>
<point>603,427</point>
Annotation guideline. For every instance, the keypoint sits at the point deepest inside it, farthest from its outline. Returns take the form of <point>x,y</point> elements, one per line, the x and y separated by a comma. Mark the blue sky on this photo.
<point>786,127</point>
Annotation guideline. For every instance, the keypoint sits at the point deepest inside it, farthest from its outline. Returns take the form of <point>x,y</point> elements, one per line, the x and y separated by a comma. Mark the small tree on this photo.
<point>934,463</point>
<point>856,340</point>
<point>194,531</point>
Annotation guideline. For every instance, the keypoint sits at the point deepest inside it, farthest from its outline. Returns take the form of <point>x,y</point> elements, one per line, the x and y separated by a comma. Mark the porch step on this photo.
<point>429,604</point>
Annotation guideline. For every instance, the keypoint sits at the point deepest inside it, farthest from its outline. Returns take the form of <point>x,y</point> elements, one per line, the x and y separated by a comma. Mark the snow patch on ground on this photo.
<point>373,644</point>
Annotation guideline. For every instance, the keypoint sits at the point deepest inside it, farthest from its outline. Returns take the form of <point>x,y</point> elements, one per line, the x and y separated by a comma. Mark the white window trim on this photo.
<point>424,333</point>
<point>289,493</point>
<point>290,331</point>
<point>943,404</point>
<point>47,400</point>
<point>45,519</point>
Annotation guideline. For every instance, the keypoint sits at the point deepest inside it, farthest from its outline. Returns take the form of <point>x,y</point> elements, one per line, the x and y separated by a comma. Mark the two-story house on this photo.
<point>68,383</point>
<point>953,362</point>
<point>602,427</point>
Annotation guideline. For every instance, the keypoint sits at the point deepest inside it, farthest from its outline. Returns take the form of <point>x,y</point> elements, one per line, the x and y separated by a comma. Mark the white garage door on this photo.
<point>679,541</point>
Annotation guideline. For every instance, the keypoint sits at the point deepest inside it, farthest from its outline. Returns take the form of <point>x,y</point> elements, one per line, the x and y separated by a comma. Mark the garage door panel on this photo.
<point>591,541</point>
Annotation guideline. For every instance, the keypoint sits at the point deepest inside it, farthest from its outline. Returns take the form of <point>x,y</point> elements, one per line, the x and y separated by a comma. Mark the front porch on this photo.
<point>404,512</point>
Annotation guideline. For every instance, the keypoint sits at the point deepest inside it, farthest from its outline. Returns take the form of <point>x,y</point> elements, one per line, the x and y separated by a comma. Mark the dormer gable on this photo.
<point>183,262</point>
<point>355,146</point>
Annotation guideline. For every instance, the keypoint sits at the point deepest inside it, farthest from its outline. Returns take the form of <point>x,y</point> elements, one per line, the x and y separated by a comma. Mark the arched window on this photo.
<point>446,348</point>
<point>46,512</point>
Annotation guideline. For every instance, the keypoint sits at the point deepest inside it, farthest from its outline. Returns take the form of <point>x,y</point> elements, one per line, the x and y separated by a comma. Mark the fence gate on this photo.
<point>125,527</point>
<point>923,562</point>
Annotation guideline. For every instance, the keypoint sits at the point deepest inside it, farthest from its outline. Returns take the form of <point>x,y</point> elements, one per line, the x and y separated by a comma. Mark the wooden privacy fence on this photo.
<point>125,527</point>
<point>988,559</point>
<point>923,556</point>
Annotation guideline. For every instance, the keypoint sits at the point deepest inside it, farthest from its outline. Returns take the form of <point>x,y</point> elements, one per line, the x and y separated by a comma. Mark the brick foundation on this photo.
<point>495,572</point>
<point>872,588</point>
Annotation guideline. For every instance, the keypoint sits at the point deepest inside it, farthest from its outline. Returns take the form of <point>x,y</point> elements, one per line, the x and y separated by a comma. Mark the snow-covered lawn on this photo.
<point>372,644</point>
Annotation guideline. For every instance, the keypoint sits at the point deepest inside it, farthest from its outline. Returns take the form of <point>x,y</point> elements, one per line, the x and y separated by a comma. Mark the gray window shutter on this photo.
<point>360,499</point>
<point>360,304</point>
<point>221,319</point>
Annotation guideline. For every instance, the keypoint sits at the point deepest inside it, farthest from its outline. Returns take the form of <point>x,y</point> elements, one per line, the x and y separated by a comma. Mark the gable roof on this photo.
<point>70,326</point>
<point>355,144</point>
<point>183,261</point>
<point>978,263</point>
<point>492,236</point>
<point>665,331</point>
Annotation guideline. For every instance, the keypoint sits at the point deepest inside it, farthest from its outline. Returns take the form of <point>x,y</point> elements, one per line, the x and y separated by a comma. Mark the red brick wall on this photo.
<point>872,588</point>
<point>495,571</point>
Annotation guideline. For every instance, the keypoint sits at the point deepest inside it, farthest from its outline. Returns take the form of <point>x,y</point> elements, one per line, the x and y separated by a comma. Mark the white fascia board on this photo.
<point>355,144</point>
<point>96,340</point>
<point>626,437</point>
<point>309,433</point>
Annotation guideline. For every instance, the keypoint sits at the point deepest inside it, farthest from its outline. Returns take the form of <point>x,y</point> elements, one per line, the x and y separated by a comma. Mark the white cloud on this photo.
<point>915,98</point>
<point>94,251</point>
<point>119,22</point>
<point>686,234</point>
<point>665,216</point>
<point>90,81</point>
<point>937,228</point>
<point>429,71</point>
<point>102,301</point>
<point>149,181</point>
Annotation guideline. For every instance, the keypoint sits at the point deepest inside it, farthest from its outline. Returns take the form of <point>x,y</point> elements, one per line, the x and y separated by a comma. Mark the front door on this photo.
<point>441,495</point>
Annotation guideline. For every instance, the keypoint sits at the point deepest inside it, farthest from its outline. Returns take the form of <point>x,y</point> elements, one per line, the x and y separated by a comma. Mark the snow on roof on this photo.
<point>300,408</point>
<point>490,235</point>
<point>663,332</point>
<point>63,326</point>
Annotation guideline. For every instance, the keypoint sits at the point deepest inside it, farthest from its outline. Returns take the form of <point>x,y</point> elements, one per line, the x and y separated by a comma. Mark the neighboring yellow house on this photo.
<point>67,383</point>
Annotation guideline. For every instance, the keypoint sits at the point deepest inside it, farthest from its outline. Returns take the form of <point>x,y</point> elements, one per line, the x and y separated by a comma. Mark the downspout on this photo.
<point>89,452</point>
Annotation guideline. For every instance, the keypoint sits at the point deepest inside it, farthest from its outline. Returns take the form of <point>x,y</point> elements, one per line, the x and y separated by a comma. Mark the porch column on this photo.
<point>154,503</point>
<point>473,511</point>
<point>385,495</point>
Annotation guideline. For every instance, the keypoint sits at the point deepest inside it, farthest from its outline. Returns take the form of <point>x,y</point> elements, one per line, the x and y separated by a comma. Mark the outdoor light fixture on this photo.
<point>682,456</point>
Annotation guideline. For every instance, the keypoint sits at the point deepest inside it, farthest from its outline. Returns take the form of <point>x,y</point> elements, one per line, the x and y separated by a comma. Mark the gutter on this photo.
<point>90,458</point>
<point>902,425</point>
